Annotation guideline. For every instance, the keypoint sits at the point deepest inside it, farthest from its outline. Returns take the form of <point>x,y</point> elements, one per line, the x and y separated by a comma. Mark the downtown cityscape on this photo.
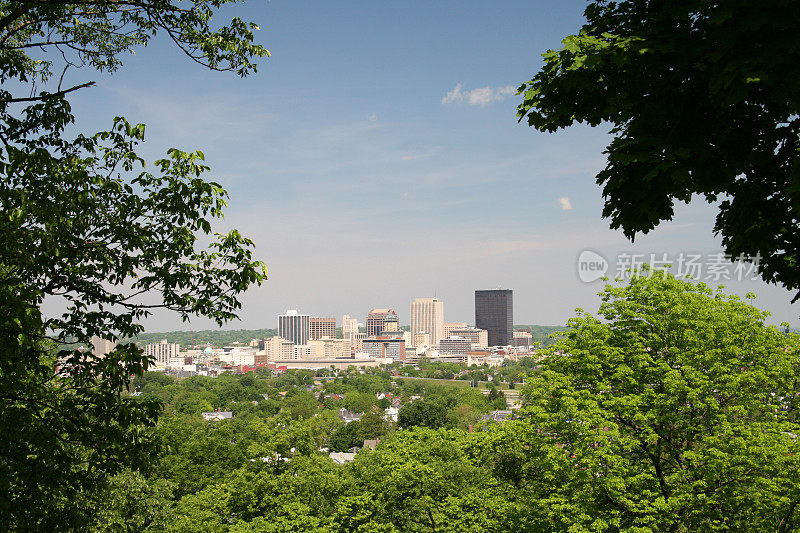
<point>496,266</point>
<point>308,342</point>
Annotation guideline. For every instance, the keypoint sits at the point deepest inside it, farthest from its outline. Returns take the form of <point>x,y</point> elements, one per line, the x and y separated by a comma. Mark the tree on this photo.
<point>702,100</point>
<point>83,220</point>
<point>129,503</point>
<point>671,411</point>
<point>430,413</point>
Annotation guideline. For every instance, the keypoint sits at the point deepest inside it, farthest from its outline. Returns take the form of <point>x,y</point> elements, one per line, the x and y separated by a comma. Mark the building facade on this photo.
<point>449,327</point>
<point>376,319</point>
<point>322,327</point>
<point>328,348</point>
<point>494,312</point>
<point>427,315</point>
<point>162,351</point>
<point>386,348</point>
<point>475,335</point>
<point>294,327</point>
<point>523,338</point>
<point>454,345</point>
<point>102,347</point>
<point>275,349</point>
<point>349,331</point>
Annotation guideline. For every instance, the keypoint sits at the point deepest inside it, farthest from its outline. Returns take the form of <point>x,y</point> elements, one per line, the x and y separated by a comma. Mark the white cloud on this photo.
<point>372,117</point>
<point>566,205</point>
<point>480,96</point>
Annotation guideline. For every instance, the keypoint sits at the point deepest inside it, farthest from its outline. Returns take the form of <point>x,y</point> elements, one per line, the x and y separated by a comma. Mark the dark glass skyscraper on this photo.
<point>494,312</point>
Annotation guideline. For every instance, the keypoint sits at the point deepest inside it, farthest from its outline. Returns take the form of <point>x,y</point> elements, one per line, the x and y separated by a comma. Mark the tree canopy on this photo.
<point>85,221</point>
<point>673,410</point>
<point>703,100</point>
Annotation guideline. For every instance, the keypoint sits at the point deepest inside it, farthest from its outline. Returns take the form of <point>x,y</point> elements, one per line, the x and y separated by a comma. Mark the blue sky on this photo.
<point>376,158</point>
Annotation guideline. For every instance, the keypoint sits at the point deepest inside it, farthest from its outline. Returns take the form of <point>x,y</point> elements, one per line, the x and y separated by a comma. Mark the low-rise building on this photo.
<point>218,415</point>
<point>385,348</point>
<point>478,337</point>
<point>523,338</point>
<point>454,345</point>
<point>327,347</point>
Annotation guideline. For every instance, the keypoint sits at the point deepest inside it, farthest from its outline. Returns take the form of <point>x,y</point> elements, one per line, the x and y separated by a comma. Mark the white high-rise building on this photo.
<point>162,351</point>
<point>427,314</point>
<point>349,328</point>
<point>294,327</point>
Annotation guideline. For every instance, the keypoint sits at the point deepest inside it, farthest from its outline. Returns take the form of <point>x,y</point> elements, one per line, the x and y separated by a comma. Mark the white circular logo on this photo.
<point>591,266</point>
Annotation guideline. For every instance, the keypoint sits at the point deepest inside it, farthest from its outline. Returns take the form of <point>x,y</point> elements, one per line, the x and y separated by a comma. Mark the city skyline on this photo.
<point>417,179</point>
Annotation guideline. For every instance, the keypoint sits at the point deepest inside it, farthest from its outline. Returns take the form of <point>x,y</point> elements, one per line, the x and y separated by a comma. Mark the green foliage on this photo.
<point>430,413</point>
<point>85,222</point>
<point>702,100</point>
<point>371,426</point>
<point>674,412</point>
<point>130,502</point>
<point>422,480</point>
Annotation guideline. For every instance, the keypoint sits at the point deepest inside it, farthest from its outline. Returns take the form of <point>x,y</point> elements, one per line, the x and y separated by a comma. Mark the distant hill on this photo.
<point>540,333</point>
<point>218,337</point>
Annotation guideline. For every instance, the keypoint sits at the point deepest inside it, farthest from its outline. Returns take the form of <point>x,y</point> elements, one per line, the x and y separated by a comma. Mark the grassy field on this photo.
<point>448,382</point>
<point>462,383</point>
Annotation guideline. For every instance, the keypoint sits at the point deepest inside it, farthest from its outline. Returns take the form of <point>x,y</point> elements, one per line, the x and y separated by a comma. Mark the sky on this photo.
<point>376,158</point>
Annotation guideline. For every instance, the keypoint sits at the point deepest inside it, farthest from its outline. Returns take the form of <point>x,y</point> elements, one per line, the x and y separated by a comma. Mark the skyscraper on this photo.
<point>294,327</point>
<point>375,320</point>
<point>494,312</point>
<point>427,315</point>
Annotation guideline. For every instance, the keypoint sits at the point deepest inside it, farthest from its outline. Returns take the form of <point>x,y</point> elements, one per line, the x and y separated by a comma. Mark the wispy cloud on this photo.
<point>481,96</point>
<point>414,156</point>
<point>566,205</point>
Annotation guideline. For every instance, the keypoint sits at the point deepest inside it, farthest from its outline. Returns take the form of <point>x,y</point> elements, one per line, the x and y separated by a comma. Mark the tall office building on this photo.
<point>494,312</point>
<point>349,332</point>
<point>294,327</point>
<point>427,314</point>
<point>322,327</point>
<point>349,327</point>
<point>375,320</point>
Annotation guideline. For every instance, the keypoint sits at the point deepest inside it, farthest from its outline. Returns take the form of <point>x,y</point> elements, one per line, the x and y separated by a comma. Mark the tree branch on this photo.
<point>48,96</point>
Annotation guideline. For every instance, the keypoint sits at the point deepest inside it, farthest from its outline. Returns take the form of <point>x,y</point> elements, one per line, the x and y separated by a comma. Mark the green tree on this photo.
<point>83,220</point>
<point>423,480</point>
<point>702,100</point>
<point>429,412</point>
<point>669,412</point>
<point>129,502</point>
